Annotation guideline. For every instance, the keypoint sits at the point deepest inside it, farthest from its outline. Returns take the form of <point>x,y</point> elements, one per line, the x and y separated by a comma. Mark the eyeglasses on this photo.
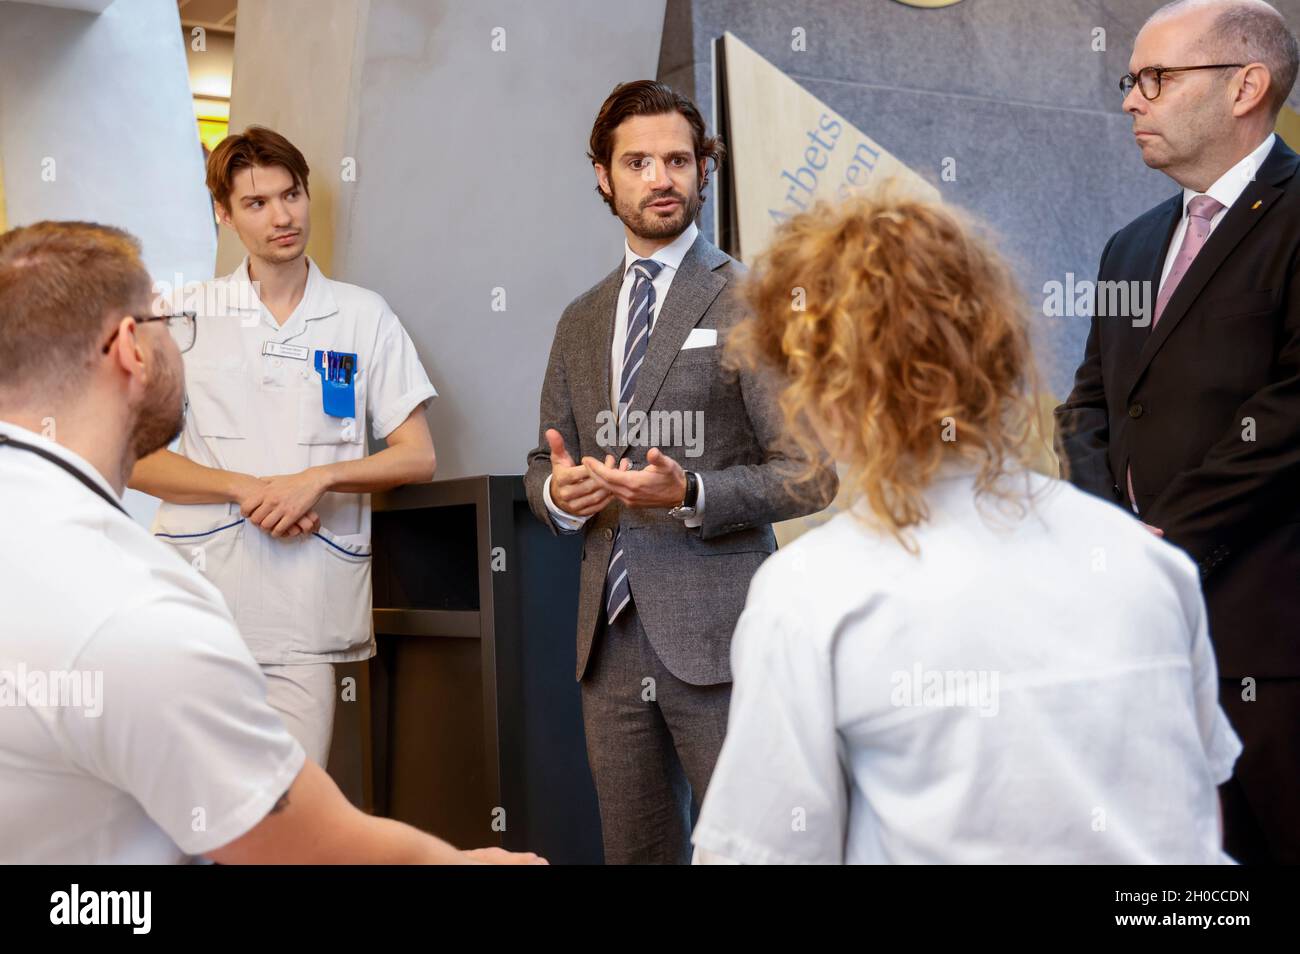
<point>1148,78</point>
<point>181,325</point>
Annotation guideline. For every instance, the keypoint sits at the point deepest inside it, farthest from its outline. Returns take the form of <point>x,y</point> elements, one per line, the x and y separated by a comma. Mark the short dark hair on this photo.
<point>255,146</point>
<point>648,98</point>
<point>60,285</point>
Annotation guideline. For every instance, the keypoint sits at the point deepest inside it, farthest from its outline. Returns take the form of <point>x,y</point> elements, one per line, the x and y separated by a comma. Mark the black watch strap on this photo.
<point>692,490</point>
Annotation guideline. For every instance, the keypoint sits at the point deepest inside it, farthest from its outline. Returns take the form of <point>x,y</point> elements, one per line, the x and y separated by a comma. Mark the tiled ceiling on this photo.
<point>214,14</point>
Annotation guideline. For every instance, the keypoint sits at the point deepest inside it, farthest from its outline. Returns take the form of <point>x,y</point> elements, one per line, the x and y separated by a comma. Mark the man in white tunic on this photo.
<point>268,491</point>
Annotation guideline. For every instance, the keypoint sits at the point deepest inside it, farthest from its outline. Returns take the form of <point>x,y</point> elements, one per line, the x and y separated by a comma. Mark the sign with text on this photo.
<point>787,150</point>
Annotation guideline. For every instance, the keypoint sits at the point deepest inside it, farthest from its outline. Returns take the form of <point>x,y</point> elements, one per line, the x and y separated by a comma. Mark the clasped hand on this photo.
<point>283,505</point>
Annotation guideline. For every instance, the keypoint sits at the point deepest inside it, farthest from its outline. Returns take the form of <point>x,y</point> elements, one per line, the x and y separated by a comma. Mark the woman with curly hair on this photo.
<point>972,662</point>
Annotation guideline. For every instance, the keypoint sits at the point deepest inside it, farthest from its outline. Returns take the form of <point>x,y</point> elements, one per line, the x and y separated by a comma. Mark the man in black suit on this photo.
<point>1188,412</point>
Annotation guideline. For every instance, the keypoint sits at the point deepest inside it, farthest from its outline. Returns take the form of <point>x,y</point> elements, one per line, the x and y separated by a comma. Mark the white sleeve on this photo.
<point>567,522</point>
<point>778,794</point>
<point>398,383</point>
<point>184,727</point>
<point>1222,747</point>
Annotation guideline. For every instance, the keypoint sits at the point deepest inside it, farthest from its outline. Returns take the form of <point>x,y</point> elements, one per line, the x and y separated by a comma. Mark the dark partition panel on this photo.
<point>475,714</point>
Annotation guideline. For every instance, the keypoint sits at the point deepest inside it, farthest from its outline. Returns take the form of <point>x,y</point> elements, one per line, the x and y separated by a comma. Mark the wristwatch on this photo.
<point>686,509</point>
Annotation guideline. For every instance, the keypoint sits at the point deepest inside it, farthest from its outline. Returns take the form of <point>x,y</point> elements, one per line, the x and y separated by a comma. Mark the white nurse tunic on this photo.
<point>255,406</point>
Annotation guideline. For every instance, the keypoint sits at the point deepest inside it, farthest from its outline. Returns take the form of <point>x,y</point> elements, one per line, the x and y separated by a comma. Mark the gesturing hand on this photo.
<point>572,488</point>
<point>661,483</point>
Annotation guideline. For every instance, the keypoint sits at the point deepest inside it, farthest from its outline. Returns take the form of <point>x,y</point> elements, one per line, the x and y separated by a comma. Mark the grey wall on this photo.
<point>295,71</point>
<point>107,98</point>
<point>472,177</point>
<point>1011,89</point>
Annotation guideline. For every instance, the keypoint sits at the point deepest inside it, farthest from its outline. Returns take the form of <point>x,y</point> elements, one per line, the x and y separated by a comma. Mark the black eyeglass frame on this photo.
<point>1159,72</point>
<point>190,316</point>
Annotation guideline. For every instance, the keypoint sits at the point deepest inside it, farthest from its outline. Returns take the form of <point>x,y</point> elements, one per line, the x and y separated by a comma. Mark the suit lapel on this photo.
<point>694,288</point>
<point>602,309</point>
<point>1236,225</point>
<point>1162,233</point>
<point>1156,241</point>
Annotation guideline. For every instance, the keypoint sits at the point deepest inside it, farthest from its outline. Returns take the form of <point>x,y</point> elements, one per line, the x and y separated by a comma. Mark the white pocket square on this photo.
<point>701,338</point>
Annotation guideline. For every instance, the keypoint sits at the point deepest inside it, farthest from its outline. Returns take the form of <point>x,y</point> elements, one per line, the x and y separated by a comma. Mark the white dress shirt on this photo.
<point>670,256</point>
<point>1227,189</point>
<point>1030,690</point>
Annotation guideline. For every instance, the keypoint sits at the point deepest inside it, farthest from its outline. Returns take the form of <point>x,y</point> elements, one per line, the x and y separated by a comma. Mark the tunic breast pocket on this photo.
<point>317,427</point>
<point>219,404</point>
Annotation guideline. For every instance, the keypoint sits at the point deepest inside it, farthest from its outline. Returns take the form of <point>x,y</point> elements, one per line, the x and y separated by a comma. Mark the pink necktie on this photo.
<point>1199,213</point>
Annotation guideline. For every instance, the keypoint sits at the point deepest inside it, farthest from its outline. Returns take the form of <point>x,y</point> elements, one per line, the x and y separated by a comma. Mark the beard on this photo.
<point>162,412</point>
<point>650,225</point>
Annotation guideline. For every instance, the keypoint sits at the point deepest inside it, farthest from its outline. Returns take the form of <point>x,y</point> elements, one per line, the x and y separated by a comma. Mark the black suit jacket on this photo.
<point>1205,408</point>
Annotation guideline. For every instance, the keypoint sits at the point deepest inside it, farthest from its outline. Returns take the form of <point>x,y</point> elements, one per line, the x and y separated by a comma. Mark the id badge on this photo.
<point>338,374</point>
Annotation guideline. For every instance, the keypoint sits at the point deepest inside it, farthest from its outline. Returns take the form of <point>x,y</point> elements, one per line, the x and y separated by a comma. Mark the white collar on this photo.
<point>1228,188</point>
<point>317,298</point>
<point>72,458</point>
<point>670,255</point>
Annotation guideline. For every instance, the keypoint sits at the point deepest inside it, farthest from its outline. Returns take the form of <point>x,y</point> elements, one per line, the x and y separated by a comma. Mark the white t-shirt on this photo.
<point>1039,690</point>
<point>256,407</point>
<point>134,727</point>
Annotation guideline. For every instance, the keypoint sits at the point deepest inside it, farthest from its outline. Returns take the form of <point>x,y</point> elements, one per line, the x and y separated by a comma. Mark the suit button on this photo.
<point>609,534</point>
<point>1135,410</point>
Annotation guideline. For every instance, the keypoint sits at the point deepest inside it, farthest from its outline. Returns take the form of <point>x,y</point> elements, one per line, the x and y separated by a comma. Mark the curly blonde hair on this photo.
<point>903,340</point>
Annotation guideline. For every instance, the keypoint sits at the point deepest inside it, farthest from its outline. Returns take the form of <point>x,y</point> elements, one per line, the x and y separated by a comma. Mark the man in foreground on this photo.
<point>134,726</point>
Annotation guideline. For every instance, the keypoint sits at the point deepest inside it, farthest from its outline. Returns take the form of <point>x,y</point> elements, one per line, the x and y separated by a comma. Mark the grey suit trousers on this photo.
<point>652,743</point>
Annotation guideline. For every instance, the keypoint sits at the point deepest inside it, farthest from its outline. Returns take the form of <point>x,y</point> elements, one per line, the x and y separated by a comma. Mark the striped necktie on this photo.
<point>640,319</point>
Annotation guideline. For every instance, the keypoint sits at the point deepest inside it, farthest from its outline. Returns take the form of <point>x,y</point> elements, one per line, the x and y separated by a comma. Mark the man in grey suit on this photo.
<point>674,469</point>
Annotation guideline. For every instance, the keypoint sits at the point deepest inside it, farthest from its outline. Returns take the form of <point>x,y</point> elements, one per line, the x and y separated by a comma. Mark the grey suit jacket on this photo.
<point>688,584</point>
